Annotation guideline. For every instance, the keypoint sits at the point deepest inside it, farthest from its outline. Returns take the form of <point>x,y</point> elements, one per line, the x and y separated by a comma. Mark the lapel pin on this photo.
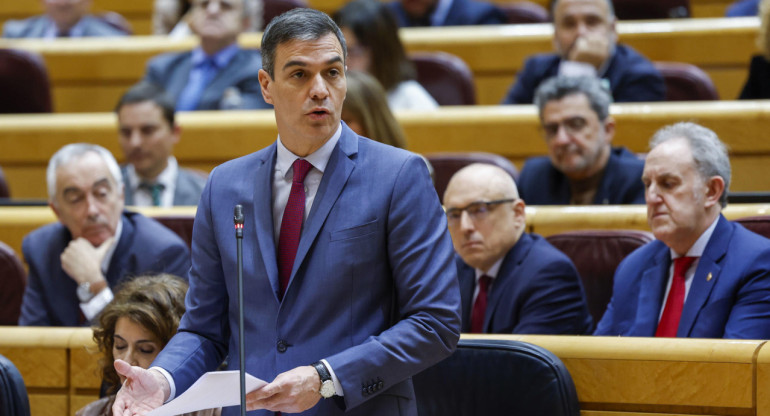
<point>708,278</point>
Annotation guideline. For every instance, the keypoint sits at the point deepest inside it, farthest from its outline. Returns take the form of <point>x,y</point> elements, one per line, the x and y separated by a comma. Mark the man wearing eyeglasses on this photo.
<point>510,281</point>
<point>582,168</point>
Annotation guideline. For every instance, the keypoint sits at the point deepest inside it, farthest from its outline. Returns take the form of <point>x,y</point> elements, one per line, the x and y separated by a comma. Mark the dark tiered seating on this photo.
<point>496,377</point>
<point>651,9</point>
<point>596,254</point>
<point>13,280</point>
<point>24,83</point>
<point>446,77</point>
<point>524,12</point>
<point>686,82</point>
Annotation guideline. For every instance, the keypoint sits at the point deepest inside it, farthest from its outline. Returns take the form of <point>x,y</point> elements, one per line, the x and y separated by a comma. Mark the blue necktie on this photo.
<point>200,77</point>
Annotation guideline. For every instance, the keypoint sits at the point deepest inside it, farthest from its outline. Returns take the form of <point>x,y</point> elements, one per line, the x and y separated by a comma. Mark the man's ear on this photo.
<point>609,129</point>
<point>715,187</point>
<point>519,211</point>
<point>264,82</point>
<point>54,209</point>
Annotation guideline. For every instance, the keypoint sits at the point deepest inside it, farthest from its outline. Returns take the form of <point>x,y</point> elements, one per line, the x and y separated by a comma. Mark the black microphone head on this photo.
<point>238,214</point>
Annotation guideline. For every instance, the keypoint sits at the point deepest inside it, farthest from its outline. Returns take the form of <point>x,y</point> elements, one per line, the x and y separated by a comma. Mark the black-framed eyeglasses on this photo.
<point>572,125</point>
<point>477,210</point>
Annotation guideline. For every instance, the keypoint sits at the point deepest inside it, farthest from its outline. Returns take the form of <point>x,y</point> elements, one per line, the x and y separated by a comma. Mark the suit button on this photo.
<point>380,384</point>
<point>364,392</point>
<point>282,346</point>
<point>370,389</point>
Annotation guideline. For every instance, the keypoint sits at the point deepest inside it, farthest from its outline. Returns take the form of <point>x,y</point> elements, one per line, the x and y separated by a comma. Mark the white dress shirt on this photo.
<point>167,178</point>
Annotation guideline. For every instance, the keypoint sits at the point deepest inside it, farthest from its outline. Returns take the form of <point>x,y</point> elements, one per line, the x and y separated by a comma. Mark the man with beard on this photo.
<point>147,134</point>
<point>581,168</point>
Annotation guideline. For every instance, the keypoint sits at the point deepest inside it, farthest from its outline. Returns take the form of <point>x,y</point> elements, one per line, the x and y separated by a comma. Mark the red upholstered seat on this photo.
<point>596,255</point>
<point>651,9</point>
<point>5,192</point>
<point>524,12</point>
<point>759,224</point>
<point>13,280</point>
<point>446,77</point>
<point>686,82</point>
<point>273,8</point>
<point>182,225</point>
<point>446,164</point>
<point>24,83</point>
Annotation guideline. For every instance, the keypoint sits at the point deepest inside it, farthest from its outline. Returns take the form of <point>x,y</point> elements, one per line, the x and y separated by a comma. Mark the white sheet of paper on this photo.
<point>213,389</point>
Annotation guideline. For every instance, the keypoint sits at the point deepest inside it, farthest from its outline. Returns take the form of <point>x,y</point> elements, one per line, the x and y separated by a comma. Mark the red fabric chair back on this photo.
<point>446,77</point>
<point>524,12</point>
<point>24,83</point>
<point>686,82</point>
<point>446,164</point>
<point>13,281</point>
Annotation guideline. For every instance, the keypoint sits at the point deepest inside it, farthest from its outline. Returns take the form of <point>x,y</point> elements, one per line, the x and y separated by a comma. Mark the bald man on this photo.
<point>510,281</point>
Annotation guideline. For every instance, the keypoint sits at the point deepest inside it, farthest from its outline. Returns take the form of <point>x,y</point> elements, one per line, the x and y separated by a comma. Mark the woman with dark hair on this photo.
<point>134,327</point>
<point>373,45</point>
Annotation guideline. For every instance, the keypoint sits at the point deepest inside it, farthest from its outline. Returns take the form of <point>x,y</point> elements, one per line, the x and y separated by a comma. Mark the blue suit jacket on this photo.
<point>537,291</point>
<point>145,246</point>
<point>743,8</point>
<point>734,303</point>
<point>172,70</point>
<point>632,77</point>
<point>461,13</point>
<point>373,290</point>
<point>36,27</point>
<point>541,184</point>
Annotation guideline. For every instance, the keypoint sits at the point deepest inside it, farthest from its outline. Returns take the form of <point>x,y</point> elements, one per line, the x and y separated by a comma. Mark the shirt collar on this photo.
<point>285,158</point>
<point>166,177</point>
<point>221,58</point>
<point>76,31</point>
<point>492,272</point>
<point>699,247</point>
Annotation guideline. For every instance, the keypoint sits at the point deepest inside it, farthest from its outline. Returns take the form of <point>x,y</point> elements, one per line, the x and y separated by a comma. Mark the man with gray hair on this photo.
<point>218,74</point>
<point>704,276</point>
<point>585,39</point>
<point>74,263</point>
<point>582,168</point>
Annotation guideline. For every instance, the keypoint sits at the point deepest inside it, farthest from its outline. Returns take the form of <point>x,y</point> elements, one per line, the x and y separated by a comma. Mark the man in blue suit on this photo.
<point>61,19</point>
<point>586,45</point>
<point>417,13</point>
<point>75,263</point>
<point>348,266</point>
<point>510,281</point>
<point>704,277</point>
<point>582,168</point>
<point>217,75</point>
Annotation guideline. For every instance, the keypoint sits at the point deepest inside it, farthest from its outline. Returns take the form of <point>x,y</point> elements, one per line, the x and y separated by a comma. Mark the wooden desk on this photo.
<point>90,74</point>
<point>210,138</point>
<point>137,12</point>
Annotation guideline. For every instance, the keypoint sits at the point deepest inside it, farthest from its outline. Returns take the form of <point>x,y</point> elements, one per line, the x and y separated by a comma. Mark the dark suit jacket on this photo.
<point>632,77</point>
<point>743,8</point>
<point>187,191</point>
<point>36,27</point>
<point>734,303</point>
<point>172,70</point>
<point>541,184</point>
<point>373,290</point>
<point>757,86</point>
<point>461,13</point>
<point>145,246</point>
<point>537,291</point>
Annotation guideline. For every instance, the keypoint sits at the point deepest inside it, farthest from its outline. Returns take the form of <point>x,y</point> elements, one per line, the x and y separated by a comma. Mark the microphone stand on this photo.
<point>238,222</point>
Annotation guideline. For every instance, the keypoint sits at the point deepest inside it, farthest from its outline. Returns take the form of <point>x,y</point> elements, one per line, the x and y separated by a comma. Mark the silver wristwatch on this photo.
<point>84,292</point>
<point>327,385</point>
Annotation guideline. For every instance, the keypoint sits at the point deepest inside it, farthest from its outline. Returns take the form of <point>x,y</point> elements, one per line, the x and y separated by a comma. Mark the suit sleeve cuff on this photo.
<point>171,385</point>
<point>96,304</point>
<point>337,385</point>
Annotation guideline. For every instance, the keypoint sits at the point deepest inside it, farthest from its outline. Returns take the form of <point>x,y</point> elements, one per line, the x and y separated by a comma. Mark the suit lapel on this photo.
<point>179,76</point>
<point>651,289</point>
<point>334,179</point>
<point>701,286</point>
<point>263,213</point>
<point>119,258</point>
<point>515,256</point>
<point>224,78</point>
<point>467,278</point>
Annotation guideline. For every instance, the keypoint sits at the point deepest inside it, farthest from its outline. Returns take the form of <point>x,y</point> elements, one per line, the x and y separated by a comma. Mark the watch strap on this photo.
<point>323,372</point>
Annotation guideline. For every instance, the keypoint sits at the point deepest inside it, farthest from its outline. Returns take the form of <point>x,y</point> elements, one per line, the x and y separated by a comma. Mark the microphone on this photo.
<point>238,223</point>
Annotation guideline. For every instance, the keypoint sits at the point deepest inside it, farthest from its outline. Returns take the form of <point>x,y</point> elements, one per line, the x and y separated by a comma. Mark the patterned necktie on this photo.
<point>291,225</point>
<point>672,312</point>
<point>480,306</point>
<point>200,77</point>
<point>154,189</point>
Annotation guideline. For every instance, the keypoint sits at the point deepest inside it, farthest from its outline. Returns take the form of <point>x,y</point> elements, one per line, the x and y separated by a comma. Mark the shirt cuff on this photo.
<point>171,385</point>
<point>337,386</point>
<point>96,304</point>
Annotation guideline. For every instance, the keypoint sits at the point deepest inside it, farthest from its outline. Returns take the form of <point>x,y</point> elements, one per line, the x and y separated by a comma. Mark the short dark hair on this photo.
<point>147,91</point>
<point>375,27</point>
<point>297,24</point>
<point>594,89</point>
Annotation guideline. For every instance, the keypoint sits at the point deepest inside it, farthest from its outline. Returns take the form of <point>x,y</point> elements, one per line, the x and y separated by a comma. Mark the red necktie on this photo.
<point>291,225</point>
<point>480,306</point>
<point>669,321</point>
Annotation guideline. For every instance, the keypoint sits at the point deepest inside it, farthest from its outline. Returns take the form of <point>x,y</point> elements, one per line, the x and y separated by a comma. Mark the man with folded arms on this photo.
<point>704,276</point>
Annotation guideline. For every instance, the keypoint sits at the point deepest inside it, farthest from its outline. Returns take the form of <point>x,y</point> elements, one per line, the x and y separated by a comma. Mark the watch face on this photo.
<point>327,389</point>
